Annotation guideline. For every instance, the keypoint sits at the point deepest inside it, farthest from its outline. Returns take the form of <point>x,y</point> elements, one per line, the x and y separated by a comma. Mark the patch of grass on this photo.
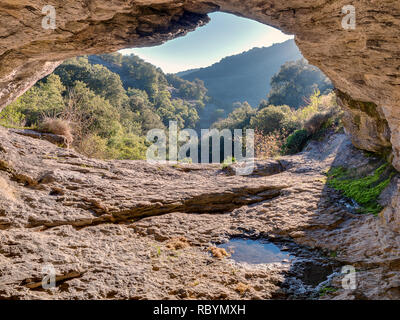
<point>325,290</point>
<point>176,166</point>
<point>365,190</point>
<point>227,162</point>
<point>57,126</point>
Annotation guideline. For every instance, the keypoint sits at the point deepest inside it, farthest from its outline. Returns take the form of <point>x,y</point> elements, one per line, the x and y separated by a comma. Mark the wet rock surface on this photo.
<point>131,230</point>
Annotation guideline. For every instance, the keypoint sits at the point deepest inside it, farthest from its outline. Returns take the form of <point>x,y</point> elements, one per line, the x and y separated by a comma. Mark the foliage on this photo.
<point>238,119</point>
<point>284,130</point>
<point>106,104</point>
<point>44,99</point>
<point>93,146</point>
<point>326,290</point>
<point>364,190</point>
<point>228,161</point>
<point>295,82</point>
<point>268,145</point>
<point>275,118</point>
<point>12,117</point>
<point>296,141</point>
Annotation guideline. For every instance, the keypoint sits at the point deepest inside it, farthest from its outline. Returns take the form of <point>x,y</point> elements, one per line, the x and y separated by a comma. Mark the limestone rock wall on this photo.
<point>366,125</point>
<point>363,63</point>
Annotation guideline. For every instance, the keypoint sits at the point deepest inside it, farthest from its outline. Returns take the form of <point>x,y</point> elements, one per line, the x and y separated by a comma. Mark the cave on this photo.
<point>362,62</point>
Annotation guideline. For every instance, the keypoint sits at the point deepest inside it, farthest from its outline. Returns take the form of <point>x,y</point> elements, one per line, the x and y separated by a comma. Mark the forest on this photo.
<point>105,105</point>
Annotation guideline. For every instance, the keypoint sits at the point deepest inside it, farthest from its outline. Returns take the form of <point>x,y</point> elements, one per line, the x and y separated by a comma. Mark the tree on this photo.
<point>274,118</point>
<point>43,100</point>
<point>98,78</point>
<point>239,118</point>
<point>295,82</point>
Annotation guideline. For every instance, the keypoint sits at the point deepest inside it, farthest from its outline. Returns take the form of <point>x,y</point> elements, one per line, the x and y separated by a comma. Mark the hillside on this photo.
<point>246,76</point>
<point>105,105</point>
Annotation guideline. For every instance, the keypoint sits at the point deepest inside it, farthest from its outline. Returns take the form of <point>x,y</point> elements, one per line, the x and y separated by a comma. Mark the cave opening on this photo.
<point>231,74</point>
<point>76,208</point>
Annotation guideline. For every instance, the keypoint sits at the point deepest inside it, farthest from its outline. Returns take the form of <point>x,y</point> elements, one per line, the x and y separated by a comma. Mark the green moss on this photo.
<point>365,190</point>
<point>325,290</point>
<point>369,108</point>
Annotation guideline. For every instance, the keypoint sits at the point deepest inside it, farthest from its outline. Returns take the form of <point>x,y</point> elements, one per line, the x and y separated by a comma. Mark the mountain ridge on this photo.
<point>255,68</point>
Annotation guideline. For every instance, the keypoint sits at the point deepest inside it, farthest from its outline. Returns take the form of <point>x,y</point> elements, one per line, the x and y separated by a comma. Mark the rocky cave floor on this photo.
<point>133,230</point>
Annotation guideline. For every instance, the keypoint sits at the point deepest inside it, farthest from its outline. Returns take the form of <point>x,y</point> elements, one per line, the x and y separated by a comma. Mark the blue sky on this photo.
<point>223,36</point>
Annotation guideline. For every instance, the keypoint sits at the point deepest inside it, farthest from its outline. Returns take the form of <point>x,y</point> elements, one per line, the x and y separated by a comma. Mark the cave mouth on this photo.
<point>96,204</point>
<point>224,36</point>
<point>219,72</point>
<point>364,77</point>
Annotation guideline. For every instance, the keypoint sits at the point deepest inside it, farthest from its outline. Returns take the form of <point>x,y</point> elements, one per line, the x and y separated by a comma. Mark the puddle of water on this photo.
<point>313,274</point>
<point>255,251</point>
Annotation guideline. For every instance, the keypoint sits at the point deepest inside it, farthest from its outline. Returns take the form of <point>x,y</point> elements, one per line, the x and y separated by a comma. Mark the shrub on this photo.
<point>127,146</point>
<point>274,118</point>
<point>317,122</point>
<point>57,126</point>
<point>296,141</point>
<point>239,118</point>
<point>11,116</point>
<point>295,81</point>
<point>93,146</point>
<point>268,145</point>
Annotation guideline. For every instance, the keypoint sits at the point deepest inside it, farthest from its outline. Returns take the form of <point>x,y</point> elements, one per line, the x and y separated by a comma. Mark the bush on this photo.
<point>57,126</point>
<point>317,122</point>
<point>296,141</point>
<point>93,146</point>
<point>127,146</point>
<point>10,116</point>
<point>275,118</point>
<point>268,145</point>
<point>295,82</point>
<point>239,118</point>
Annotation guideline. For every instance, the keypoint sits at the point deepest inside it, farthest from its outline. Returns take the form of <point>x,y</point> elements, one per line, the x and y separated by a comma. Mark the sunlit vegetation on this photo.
<point>283,130</point>
<point>107,104</point>
<point>365,190</point>
<point>104,105</point>
<point>296,81</point>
